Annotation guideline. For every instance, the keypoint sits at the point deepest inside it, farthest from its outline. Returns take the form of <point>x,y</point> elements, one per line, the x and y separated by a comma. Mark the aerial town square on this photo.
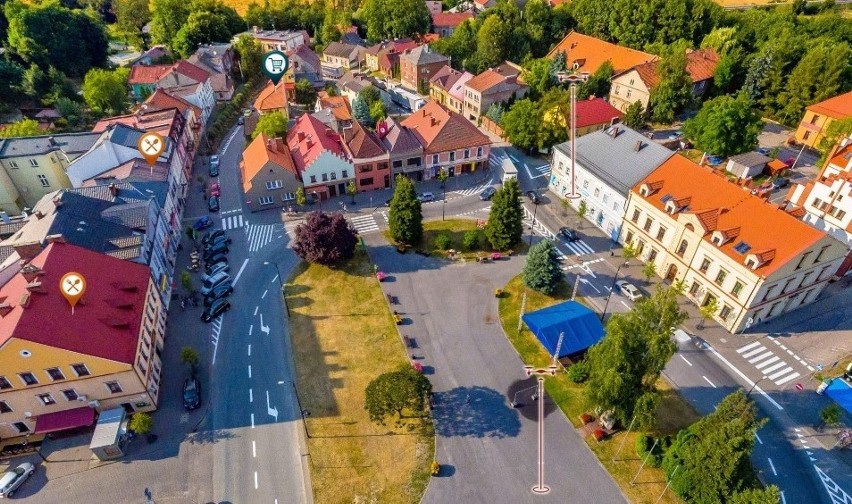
<point>426,251</point>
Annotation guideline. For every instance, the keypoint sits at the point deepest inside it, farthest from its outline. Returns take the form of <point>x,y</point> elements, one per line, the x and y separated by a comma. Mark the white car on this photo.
<point>214,160</point>
<point>14,478</point>
<point>427,196</point>
<point>628,289</point>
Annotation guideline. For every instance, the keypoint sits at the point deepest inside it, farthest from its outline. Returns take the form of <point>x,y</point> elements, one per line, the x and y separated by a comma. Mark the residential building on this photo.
<point>351,83</point>
<point>319,157</point>
<point>273,98</point>
<point>595,114</point>
<point>349,35</point>
<point>447,88</point>
<point>306,65</point>
<point>819,116</point>
<point>608,164</point>
<point>495,85</point>
<point>339,111</point>
<point>405,153</point>
<point>59,367</point>
<point>368,156</point>
<point>217,60</point>
<point>384,56</point>
<point>636,84</point>
<point>278,40</point>
<point>200,94</point>
<point>445,23</point>
<point>35,166</point>
<point>418,65</point>
<point>268,175</point>
<point>152,56</point>
<point>753,258</point>
<point>748,164</point>
<point>450,142</point>
<point>338,58</point>
<point>182,78</point>
<point>481,5</point>
<point>161,100</point>
<point>434,6</point>
<point>586,54</point>
<point>143,79</point>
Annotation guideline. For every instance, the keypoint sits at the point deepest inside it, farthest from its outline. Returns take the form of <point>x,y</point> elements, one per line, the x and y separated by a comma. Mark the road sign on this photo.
<point>799,386</point>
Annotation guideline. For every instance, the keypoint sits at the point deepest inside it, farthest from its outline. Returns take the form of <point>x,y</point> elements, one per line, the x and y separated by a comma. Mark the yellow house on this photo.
<point>58,369</point>
<point>819,116</point>
<point>35,166</point>
<point>752,259</point>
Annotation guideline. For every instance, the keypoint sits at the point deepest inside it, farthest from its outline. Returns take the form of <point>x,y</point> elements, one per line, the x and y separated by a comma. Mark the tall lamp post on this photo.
<point>612,288</point>
<point>532,226</point>
<point>573,79</point>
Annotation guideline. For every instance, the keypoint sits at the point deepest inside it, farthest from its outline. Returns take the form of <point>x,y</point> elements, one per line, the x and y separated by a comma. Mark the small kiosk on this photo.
<point>110,434</point>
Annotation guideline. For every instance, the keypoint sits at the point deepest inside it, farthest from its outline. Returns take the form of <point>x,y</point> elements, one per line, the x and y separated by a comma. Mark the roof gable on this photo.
<point>589,53</point>
<point>439,129</point>
<point>838,107</point>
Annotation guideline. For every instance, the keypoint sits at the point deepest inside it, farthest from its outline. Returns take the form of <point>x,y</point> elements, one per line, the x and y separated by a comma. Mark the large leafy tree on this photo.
<point>626,364</point>
<point>389,19</point>
<point>167,18</point>
<point>11,74</point>
<point>325,239</point>
<point>521,123</point>
<point>209,22</point>
<point>832,62</point>
<point>250,53</point>
<point>505,220</point>
<point>714,454</point>
<point>273,125</point>
<point>634,116</point>
<point>22,128</point>
<point>541,271</point>
<point>396,393</point>
<point>674,91</point>
<point>305,92</point>
<point>554,110</point>
<point>105,91</point>
<point>460,46</point>
<point>132,16</point>
<point>725,125</point>
<point>492,42</point>
<point>598,83</point>
<point>539,76</point>
<point>405,217</point>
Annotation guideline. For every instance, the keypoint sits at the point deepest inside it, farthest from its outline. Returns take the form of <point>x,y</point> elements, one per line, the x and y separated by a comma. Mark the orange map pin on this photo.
<point>151,145</point>
<point>72,285</point>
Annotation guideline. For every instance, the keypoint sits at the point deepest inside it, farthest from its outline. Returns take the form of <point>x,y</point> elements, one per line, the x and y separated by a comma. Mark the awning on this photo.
<point>63,420</point>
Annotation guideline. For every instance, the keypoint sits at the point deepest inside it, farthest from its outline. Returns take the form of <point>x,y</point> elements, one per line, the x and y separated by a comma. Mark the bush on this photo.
<point>643,446</point>
<point>470,239</point>
<point>443,241</point>
<point>579,372</point>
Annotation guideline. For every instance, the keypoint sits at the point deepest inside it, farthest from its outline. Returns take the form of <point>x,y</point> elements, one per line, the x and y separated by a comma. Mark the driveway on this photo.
<point>487,449</point>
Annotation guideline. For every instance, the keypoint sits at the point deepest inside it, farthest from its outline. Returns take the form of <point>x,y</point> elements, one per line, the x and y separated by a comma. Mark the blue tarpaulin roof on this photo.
<point>841,392</point>
<point>581,326</point>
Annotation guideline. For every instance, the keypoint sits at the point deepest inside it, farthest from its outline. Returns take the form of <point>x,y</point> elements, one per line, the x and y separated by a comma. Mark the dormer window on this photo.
<point>645,191</point>
<point>717,239</point>
<point>671,207</point>
<point>752,263</point>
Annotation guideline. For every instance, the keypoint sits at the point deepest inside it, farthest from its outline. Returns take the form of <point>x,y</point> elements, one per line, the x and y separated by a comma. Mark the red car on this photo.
<point>214,189</point>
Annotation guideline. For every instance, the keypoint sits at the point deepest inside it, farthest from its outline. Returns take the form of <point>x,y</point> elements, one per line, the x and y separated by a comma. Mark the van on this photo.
<point>509,170</point>
<point>208,284</point>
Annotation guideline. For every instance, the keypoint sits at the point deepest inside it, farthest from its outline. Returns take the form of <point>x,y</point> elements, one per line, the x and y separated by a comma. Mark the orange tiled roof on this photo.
<point>451,19</point>
<point>339,106</point>
<point>271,98</point>
<point>838,107</point>
<point>590,53</point>
<point>161,99</point>
<point>147,74</point>
<point>439,129</point>
<point>493,77</point>
<point>700,65</point>
<point>261,151</point>
<point>361,143</point>
<point>773,234</point>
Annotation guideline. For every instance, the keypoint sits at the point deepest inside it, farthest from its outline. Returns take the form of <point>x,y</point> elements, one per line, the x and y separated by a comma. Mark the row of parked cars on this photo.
<point>215,282</point>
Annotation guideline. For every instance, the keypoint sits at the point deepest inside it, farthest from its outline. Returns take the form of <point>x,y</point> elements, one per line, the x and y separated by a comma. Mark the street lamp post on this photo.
<point>574,79</point>
<point>612,288</point>
<point>540,488</point>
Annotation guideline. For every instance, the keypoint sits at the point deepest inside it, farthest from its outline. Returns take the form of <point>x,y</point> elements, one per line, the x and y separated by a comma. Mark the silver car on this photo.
<point>14,478</point>
<point>628,289</point>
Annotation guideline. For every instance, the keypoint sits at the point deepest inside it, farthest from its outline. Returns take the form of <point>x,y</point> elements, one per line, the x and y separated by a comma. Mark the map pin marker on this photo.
<point>151,145</point>
<point>275,65</point>
<point>72,285</point>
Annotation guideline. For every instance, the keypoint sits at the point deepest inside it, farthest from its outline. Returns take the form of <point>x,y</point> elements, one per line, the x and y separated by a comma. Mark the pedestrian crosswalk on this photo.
<point>538,171</point>
<point>765,361</point>
<point>259,235</point>
<point>579,247</point>
<point>475,190</point>
<point>233,222</point>
<point>364,223</point>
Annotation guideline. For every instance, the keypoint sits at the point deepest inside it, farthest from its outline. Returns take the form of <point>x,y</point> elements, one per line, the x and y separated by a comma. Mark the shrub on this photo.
<point>643,446</point>
<point>470,239</point>
<point>443,241</point>
<point>579,372</point>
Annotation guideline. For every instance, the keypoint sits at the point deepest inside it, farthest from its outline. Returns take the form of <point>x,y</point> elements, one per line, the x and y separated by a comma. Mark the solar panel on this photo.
<point>742,247</point>
<point>666,198</point>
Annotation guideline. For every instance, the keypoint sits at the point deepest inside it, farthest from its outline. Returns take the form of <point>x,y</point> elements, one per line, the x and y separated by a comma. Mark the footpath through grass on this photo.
<point>343,337</point>
<point>673,412</point>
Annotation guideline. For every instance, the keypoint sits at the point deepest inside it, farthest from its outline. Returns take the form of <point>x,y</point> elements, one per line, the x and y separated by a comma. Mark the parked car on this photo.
<point>763,150</point>
<point>674,135</point>
<point>220,257</point>
<point>556,254</point>
<point>427,196</point>
<point>780,182</point>
<point>762,189</point>
<point>213,204</point>
<point>214,160</point>
<point>569,234</point>
<point>219,278</point>
<point>14,478</point>
<point>241,121</point>
<point>533,196</point>
<point>212,234</point>
<point>213,268</point>
<point>222,290</point>
<point>628,290</point>
<point>216,249</point>
<point>216,241</point>
<point>203,222</point>
<point>215,189</point>
<point>191,393</point>
<point>213,311</point>
<point>213,171</point>
<point>487,193</point>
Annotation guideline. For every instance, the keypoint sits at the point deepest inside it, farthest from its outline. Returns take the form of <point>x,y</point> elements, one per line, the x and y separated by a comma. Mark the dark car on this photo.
<point>212,234</point>
<point>213,204</point>
<point>216,241</point>
<point>569,234</point>
<point>215,267</point>
<point>191,393</point>
<point>214,259</point>
<point>533,196</point>
<point>213,311</point>
<point>219,248</point>
<point>214,170</point>
<point>487,193</point>
<point>780,182</point>
<point>241,120</point>
<point>222,290</point>
<point>556,254</point>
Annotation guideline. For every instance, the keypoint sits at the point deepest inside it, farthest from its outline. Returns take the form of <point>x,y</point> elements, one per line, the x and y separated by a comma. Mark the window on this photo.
<point>652,255</point>
<point>681,249</point>
<point>28,378</point>
<point>694,288</point>
<point>629,238</point>
<point>803,259</point>
<point>632,81</point>
<point>452,156</point>
<point>629,92</point>
<point>313,179</point>
<point>397,164</point>
<point>479,152</point>
<point>80,369</point>
<point>4,383</point>
<point>325,177</point>
<point>21,426</point>
<point>661,233</point>
<point>597,191</point>
<point>720,277</point>
<point>742,247</point>
<point>4,407</point>
<point>635,217</point>
<point>288,196</point>
<point>333,175</point>
<point>266,200</point>
<point>345,174</point>
<point>617,89</point>
<point>43,180</point>
<point>55,374</point>
<point>113,387</point>
<point>725,312</point>
<point>585,184</point>
<point>70,395</point>
<point>46,399</point>
<point>606,198</point>
<point>33,163</point>
<point>467,153</point>
<point>434,159</point>
<point>367,181</point>
<point>738,287</point>
<point>274,184</point>
<point>815,119</point>
<point>648,222</point>
<point>414,161</point>
<point>705,265</point>
<point>13,164</point>
<point>821,252</point>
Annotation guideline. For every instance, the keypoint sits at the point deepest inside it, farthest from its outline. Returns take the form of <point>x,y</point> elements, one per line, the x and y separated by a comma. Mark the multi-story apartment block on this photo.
<point>753,258</point>
<point>418,65</point>
<point>58,367</point>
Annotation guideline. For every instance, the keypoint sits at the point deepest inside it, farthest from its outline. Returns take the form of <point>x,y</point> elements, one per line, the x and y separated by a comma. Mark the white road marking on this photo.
<point>251,396</point>
<point>753,352</point>
<point>250,329</point>
<point>684,359</point>
<point>758,438</point>
<point>748,347</point>
<point>708,381</point>
<point>743,376</point>
<point>249,370</point>
<point>780,373</point>
<point>255,480</point>
<point>255,309</point>
<point>625,305</point>
<point>276,276</point>
<point>767,362</point>
<point>784,380</point>
<point>760,357</point>
<point>252,420</point>
<point>772,466</point>
<point>264,294</point>
<point>774,367</point>
<point>240,273</point>
<point>783,499</point>
<point>253,449</point>
<point>249,350</point>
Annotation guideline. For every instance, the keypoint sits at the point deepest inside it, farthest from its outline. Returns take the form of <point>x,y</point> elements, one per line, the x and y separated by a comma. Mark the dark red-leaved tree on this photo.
<point>325,239</point>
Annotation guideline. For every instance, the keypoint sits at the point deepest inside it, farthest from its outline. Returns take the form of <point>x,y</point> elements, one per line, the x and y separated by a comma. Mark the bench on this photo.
<point>409,342</point>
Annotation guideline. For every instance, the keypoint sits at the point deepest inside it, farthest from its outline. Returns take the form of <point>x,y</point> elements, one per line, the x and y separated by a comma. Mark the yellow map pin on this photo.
<point>72,285</point>
<point>151,145</point>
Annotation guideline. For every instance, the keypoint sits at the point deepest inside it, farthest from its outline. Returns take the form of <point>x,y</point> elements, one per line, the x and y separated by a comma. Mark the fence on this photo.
<point>491,127</point>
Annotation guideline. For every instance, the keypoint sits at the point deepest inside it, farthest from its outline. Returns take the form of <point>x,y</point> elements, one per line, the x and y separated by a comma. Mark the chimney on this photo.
<point>51,141</point>
<point>38,214</point>
<point>35,286</point>
<point>301,136</point>
<point>433,121</point>
<point>113,190</point>
<point>270,144</point>
<point>24,302</point>
<point>30,272</point>
<point>28,251</point>
<point>5,308</point>
<point>55,238</point>
<point>638,145</point>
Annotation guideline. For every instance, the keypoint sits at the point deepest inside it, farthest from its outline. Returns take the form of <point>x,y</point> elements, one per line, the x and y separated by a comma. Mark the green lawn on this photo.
<point>456,228</point>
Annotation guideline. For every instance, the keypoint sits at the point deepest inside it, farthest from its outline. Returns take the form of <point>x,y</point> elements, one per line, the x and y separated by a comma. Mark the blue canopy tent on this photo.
<point>581,326</point>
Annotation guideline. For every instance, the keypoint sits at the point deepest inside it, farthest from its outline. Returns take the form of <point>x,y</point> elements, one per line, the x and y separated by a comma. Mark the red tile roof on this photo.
<point>724,206</point>
<point>589,53</point>
<point>838,107</point>
<point>451,19</point>
<point>105,322</point>
<point>194,72</point>
<point>493,77</point>
<point>439,129</point>
<point>361,143</point>
<point>147,74</point>
<point>161,99</point>
<point>261,151</point>
<point>309,138</point>
<point>700,65</point>
<point>271,98</point>
<point>159,121</point>
<point>339,106</point>
<point>595,111</point>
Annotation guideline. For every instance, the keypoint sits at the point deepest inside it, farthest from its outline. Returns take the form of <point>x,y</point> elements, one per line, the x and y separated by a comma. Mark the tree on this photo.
<point>505,226</point>
<point>470,239</point>
<point>828,59</point>
<point>132,16</point>
<point>629,251</point>
<point>203,27</point>
<point>835,132</point>
<point>325,239</point>
<point>541,271</point>
<point>674,91</point>
<point>352,190</point>
<point>442,176</point>
<point>714,453</point>
<point>708,310</point>
<point>249,52</point>
<point>460,46</point>
<point>190,357</point>
<point>11,75</point>
<point>105,91</point>
<point>167,18</point>
<point>831,415</point>
<point>766,495</point>
<point>305,92</point>
<point>725,125</point>
<point>272,124</point>
<point>634,116</point>
<point>141,423</point>
<point>361,111</point>
<point>649,270</point>
<point>370,95</point>
<point>395,393</point>
<point>186,280</point>
<point>492,42</point>
<point>22,128</point>
<point>521,124</point>
<point>391,19</point>
<point>539,76</point>
<point>301,200</point>
<point>598,83</point>
<point>626,364</point>
<point>554,110</point>
<point>405,217</point>
<point>582,211</point>
<point>378,111</point>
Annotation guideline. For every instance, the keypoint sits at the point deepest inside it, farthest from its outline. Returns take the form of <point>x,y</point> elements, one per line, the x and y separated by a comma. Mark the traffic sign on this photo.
<point>799,386</point>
